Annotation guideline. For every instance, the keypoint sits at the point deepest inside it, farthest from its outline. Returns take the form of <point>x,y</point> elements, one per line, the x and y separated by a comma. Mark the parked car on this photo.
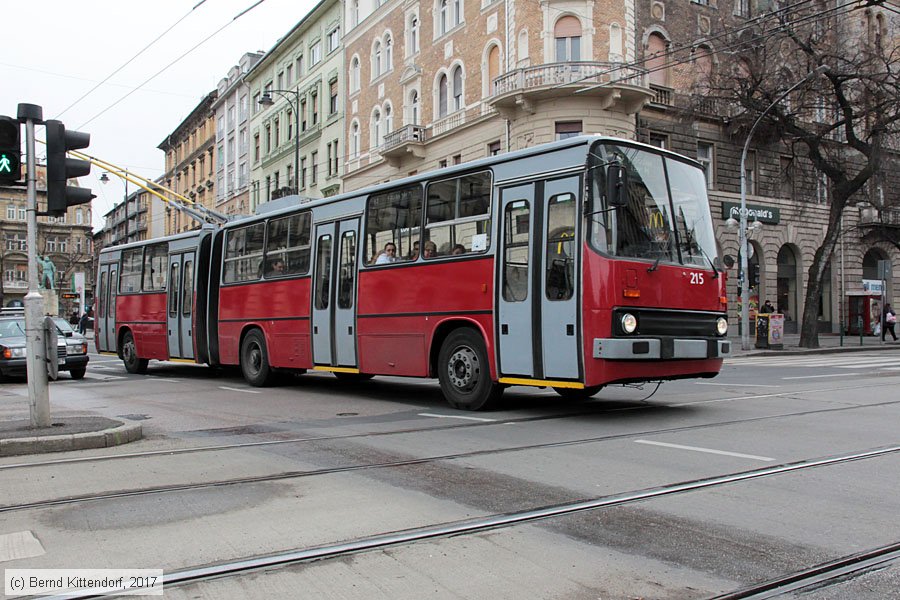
<point>71,349</point>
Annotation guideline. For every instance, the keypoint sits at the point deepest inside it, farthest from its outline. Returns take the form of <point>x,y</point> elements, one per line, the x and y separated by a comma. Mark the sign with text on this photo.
<point>763,214</point>
<point>873,286</point>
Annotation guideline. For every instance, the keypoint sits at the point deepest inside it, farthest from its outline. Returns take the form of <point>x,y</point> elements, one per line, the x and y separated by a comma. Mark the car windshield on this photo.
<point>12,328</point>
<point>666,213</point>
<point>63,325</point>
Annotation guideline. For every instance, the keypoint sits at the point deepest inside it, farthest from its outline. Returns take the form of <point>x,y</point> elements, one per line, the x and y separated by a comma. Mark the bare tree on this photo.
<point>843,124</point>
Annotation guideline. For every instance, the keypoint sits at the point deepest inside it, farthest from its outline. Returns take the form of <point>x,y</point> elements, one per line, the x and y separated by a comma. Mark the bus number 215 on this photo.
<point>696,278</point>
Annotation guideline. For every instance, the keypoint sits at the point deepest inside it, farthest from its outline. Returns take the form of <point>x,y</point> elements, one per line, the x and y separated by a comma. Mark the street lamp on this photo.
<point>745,290</point>
<point>266,100</point>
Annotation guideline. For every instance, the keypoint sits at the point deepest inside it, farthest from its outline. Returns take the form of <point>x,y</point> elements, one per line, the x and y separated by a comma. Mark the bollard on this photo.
<point>859,324</point>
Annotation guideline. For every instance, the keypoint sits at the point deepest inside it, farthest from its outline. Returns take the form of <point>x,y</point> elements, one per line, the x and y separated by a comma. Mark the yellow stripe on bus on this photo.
<point>182,360</point>
<point>336,369</point>
<point>107,353</point>
<point>542,383</point>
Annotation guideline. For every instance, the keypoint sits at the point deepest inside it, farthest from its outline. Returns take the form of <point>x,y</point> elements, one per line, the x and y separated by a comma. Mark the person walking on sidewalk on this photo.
<point>888,322</point>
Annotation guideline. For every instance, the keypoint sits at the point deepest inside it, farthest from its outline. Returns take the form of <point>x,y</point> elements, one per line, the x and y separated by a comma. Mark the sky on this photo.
<point>58,50</point>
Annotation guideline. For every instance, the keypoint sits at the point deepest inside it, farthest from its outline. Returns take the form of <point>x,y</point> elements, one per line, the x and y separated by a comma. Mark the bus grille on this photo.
<point>675,323</point>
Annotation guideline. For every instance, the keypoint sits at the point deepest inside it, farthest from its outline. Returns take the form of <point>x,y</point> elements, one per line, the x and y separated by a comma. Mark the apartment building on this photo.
<point>190,163</point>
<point>434,83</point>
<point>683,46</point>
<point>65,240</point>
<point>297,111</point>
<point>232,116</point>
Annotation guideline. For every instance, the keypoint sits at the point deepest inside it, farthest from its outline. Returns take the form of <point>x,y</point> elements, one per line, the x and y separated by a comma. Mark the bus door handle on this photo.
<point>570,329</point>
<point>350,330</point>
<point>504,329</point>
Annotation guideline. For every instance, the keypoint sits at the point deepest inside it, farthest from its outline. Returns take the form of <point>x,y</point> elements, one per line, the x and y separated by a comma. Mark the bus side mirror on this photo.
<point>616,185</point>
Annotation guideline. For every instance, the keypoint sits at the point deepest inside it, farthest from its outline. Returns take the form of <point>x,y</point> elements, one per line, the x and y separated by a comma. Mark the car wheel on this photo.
<point>464,372</point>
<point>255,360</point>
<point>78,373</point>
<point>133,364</point>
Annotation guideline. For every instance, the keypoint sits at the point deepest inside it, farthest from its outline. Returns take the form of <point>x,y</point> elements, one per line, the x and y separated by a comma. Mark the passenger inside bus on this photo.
<point>430,249</point>
<point>414,253</point>
<point>388,255</point>
<point>458,249</point>
<point>275,268</point>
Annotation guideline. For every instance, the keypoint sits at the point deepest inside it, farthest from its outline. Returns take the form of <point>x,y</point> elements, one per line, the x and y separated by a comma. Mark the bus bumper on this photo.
<point>660,348</point>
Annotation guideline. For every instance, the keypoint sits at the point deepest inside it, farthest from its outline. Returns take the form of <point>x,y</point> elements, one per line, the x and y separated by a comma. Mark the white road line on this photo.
<point>707,450</point>
<point>735,384</point>
<point>223,387</point>
<point>817,376</point>
<point>457,417</point>
<point>21,544</point>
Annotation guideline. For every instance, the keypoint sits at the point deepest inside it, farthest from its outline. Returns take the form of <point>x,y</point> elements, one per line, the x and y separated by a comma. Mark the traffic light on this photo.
<point>10,151</point>
<point>59,168</point>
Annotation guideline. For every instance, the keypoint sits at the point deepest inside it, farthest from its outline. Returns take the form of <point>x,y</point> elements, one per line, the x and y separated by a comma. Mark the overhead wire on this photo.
<point>130,60</point>
<point>158,73</point>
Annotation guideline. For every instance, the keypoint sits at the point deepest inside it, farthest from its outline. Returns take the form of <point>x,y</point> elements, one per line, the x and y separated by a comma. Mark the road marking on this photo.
<point>817,376</point>
<point>21,544</point>
<point>225,387</point>
<point>457,417</point>
<point>167,380</point>
<point>707,450</point>
<point>735,384</point>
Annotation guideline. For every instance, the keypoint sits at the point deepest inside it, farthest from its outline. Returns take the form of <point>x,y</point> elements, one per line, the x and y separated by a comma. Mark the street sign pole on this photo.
<point>36,363</point>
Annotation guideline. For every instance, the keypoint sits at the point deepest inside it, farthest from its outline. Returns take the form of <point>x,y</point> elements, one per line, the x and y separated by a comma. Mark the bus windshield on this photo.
<point>666,213</point>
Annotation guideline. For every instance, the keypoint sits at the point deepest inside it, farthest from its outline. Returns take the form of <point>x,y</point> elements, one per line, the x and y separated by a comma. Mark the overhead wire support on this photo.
<point>181,203</point>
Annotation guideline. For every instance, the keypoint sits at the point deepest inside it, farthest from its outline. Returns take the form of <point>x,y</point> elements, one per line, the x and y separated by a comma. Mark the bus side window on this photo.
<point>394,216</point>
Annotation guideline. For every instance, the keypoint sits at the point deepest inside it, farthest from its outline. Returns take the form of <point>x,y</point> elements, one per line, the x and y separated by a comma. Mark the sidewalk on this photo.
<point>828,343</point>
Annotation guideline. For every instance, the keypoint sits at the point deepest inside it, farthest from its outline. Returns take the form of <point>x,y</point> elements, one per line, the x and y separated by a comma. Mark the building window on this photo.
<point>567,129</point>
<point>11,212</point>
<point>659,140</point>
<point>354,74</point>
<point>290,124</point>
<point>388,119</point>
<point>277,129</point>
<point>705,158</point>
<point>657,46</point>
<point>268,139</point>
<point>787,177</point>
<point>256,147</point>
<point>332,97</point>
<point>303,173</point>
<point>333,39</point>
<point>376,128</point>
<point>442,96</point>
<point>414,107</point>
<point>303,115</point>
<point>444,17</point>
<point>314,168</point>
<point>376,59</point>
<point>314,101</point>
<point>750,173</point>
<point>741,8</point>
<point>289,72</point>
<point>567,34</point>
<point>388,53</point>
<point>315,54</point>
<point>494,148</point>
<point>413,44</point>
<point>457,89</point>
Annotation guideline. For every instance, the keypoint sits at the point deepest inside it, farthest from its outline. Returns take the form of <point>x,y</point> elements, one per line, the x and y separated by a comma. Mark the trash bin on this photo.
<point>770,331</point>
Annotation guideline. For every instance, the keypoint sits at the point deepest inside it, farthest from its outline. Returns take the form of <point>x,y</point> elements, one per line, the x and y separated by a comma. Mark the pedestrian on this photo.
<point>888,322</point>
<point>767,307</point>
<point>73,320</point>
<point>85,319</point>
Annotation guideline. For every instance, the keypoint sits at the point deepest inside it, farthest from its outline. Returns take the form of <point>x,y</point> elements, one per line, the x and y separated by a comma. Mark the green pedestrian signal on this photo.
<point>10,151</point>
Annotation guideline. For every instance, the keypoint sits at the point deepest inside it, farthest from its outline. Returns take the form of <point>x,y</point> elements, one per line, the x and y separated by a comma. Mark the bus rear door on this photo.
<point>334,295</point>
<point>180,300</point>
<point>537,307</point>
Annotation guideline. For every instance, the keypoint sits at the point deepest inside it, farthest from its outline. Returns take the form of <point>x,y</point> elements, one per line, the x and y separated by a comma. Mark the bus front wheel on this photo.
<point>255,360</point>
<point>464,372</point>
<point>133,364</point>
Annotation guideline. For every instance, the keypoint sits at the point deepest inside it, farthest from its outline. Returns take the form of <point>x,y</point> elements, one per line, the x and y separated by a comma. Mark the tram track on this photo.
<point>286,475</point>
<point>827,573</point>
<point>242,566</point>
<point>479,424</point>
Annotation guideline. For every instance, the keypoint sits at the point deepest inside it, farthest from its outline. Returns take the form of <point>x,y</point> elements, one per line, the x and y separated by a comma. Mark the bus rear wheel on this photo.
<point>464,372</point>
<point>578,394</point>
<point>255,360</point>
<point>133,364</point>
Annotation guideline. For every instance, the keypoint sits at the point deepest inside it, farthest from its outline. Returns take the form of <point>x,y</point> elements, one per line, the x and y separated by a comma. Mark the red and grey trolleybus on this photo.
<point>572,265</point>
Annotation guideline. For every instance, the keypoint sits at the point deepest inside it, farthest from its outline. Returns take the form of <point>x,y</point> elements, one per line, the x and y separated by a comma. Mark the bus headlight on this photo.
<point>629,323</point>
<point>721,325</point>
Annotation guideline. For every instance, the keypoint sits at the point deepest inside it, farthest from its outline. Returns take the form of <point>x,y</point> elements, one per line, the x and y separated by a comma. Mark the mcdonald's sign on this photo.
<point>657,220</point>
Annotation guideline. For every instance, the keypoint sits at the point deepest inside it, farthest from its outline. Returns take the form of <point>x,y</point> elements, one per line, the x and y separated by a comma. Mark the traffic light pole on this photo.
<point>38,393</point>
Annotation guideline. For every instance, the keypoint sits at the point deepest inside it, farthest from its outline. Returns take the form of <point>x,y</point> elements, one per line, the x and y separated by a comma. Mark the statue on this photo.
<point>48,273</point>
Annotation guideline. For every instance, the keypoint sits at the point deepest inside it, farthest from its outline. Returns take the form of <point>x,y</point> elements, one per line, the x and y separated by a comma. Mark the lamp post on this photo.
<point>104,179</point>
<point>266,100</point>
<point>745,290</point>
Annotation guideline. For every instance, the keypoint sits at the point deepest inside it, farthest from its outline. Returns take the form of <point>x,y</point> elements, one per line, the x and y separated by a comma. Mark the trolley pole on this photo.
<point>38,393</point>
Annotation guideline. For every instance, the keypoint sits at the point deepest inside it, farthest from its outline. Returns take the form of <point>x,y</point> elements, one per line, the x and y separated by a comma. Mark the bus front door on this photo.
<point>104,313</point>
<point>537,307</point>
<point>334,295</point>
<point>180,305</point>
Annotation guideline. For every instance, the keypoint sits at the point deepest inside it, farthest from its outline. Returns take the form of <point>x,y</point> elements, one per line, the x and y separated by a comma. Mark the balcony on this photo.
<point>663,96</point>
<point>871,216</point>
<point>614,84</point>
<point>409,139</point>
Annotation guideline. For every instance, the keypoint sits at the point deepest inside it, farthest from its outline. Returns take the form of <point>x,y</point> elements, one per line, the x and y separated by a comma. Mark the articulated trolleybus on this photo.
<point>572,265</point>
